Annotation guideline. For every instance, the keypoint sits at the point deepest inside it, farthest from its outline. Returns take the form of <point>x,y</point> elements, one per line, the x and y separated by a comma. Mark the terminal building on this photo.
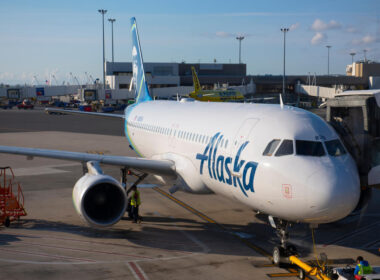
<point>169,79</point>
<point>178,75</point>
<point>161,74</point>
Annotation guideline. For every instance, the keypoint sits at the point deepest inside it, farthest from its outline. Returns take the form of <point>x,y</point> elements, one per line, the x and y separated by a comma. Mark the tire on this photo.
<point>301,274</point>
<point>7,222</point>
<point>278,254</point>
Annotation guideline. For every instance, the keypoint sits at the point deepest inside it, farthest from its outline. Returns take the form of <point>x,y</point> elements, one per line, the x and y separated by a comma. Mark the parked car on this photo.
<point>108,109</point>
<point>6,104</point>
<point>86,108</point>
<point>26,104</point>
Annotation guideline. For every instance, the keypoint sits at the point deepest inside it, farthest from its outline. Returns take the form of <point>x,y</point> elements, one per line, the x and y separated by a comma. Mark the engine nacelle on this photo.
<point>99,199</point>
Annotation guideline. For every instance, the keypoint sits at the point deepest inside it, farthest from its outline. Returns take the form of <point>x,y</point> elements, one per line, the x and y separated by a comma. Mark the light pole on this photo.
<point>328,60</point>
<point>352,55</point>
<point>284,30</point>
<point>365,55</point>
<point>104,55</point>
<point>240,38</point>
<point>112,20</point>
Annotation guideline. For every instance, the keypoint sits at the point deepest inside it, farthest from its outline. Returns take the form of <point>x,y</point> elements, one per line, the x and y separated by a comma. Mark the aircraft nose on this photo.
<point>333,193</point>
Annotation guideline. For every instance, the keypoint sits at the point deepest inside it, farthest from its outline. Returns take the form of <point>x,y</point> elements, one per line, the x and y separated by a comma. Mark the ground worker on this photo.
<point>362,268</point>
<point>135,203</point>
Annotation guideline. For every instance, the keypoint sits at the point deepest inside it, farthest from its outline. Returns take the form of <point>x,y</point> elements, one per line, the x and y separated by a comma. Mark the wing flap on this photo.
<point>159,167</point>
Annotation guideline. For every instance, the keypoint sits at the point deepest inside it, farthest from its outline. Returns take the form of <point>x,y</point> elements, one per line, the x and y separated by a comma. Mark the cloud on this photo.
<point>351,29</point>
<point>319,25</point>
<point>368,39</point>
<point>223,34</point>
<point>318,38</point>
<point>294,26</point>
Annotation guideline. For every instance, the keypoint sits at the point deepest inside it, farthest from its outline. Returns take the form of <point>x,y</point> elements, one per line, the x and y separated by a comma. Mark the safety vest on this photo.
<point>135,198</point>
<point>364,268</point>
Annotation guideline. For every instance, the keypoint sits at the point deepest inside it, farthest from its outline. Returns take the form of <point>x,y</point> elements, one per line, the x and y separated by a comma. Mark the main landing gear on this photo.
<point>124,172</point>
<point>283,252</point>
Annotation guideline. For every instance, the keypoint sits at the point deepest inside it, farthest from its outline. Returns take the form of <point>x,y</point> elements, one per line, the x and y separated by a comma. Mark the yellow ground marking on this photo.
<point>211,221</point>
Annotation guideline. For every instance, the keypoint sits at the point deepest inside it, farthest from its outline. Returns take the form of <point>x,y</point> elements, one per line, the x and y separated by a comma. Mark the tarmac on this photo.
<point>182,236</point>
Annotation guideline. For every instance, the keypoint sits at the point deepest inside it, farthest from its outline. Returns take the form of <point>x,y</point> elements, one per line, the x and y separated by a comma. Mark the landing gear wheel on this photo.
<point>301,274</point>
<point>7,222</point>
<point>278,254</point>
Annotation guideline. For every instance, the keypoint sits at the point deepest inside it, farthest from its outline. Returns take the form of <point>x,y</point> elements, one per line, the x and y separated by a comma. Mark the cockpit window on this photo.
<point>271,147</point>
<point>286,148</point>
<point>335,148</point>
<point>309,148</point>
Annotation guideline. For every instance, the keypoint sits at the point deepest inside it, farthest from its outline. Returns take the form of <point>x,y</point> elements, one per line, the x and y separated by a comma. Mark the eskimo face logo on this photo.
<point>219,166</point>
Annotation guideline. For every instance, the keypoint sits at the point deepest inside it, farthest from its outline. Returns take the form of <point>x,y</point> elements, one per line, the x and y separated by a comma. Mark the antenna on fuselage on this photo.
<point>281,102</point>
<point>131,83</point>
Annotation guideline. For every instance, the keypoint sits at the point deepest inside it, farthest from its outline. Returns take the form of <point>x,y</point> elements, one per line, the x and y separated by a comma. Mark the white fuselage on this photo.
<point>219,147</point>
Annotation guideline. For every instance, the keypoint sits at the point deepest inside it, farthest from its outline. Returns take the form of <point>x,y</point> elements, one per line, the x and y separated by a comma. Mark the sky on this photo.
<point>46,38</point>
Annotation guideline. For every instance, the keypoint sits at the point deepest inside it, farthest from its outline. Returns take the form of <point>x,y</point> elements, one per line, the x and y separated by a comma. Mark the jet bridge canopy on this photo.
<point>356,117</point>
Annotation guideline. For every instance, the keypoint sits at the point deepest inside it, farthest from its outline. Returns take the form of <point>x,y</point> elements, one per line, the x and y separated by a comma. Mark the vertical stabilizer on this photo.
<point>138,80</point>
<point>197,85</point>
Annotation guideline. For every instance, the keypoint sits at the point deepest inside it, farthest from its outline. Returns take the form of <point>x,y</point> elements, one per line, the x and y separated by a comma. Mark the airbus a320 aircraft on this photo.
<point>216,95</point>
<point>282,161</point>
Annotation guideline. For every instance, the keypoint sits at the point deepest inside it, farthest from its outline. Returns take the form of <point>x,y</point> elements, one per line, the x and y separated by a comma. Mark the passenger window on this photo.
<point>309,148</point>
<point>335,148</point>
<point>286,148</point>
<point>226,144</point>
<point>271,147</point>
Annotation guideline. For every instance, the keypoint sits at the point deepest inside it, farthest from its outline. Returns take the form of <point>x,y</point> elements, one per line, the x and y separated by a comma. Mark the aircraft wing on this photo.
<point>75,112</point>
<point>159,167</point>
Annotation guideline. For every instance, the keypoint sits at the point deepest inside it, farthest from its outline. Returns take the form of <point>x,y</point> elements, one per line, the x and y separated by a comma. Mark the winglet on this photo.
<point>138,80</point>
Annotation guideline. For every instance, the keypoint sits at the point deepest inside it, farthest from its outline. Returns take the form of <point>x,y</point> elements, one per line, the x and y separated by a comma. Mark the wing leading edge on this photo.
<point>159,167</point>
<point>74,112</point>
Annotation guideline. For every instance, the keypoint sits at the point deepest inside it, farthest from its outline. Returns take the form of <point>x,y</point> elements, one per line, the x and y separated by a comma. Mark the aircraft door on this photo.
<point>242,136</point>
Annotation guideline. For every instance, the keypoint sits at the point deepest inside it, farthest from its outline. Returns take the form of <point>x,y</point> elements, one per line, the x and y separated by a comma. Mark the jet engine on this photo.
<point>99,199</point>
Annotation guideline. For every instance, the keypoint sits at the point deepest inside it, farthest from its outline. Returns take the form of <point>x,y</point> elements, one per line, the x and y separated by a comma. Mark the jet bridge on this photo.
<point>356,117</point>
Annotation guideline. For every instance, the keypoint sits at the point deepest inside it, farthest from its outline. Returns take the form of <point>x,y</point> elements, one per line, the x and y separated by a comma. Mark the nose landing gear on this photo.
<point>283,252</point>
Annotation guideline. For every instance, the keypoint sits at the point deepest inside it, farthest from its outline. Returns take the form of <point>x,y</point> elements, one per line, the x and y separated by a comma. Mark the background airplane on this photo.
<point>216,95</point>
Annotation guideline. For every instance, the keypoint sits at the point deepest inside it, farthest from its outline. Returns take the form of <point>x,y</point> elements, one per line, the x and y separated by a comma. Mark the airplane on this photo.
<point>219,95</point>
<point>278,160</point>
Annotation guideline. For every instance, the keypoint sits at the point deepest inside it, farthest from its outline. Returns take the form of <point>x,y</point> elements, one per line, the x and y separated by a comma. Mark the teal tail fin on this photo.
<point>139,81</point>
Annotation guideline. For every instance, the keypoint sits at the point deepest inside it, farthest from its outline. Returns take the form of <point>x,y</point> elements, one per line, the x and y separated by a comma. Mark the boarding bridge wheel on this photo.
<point>7,222</point>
